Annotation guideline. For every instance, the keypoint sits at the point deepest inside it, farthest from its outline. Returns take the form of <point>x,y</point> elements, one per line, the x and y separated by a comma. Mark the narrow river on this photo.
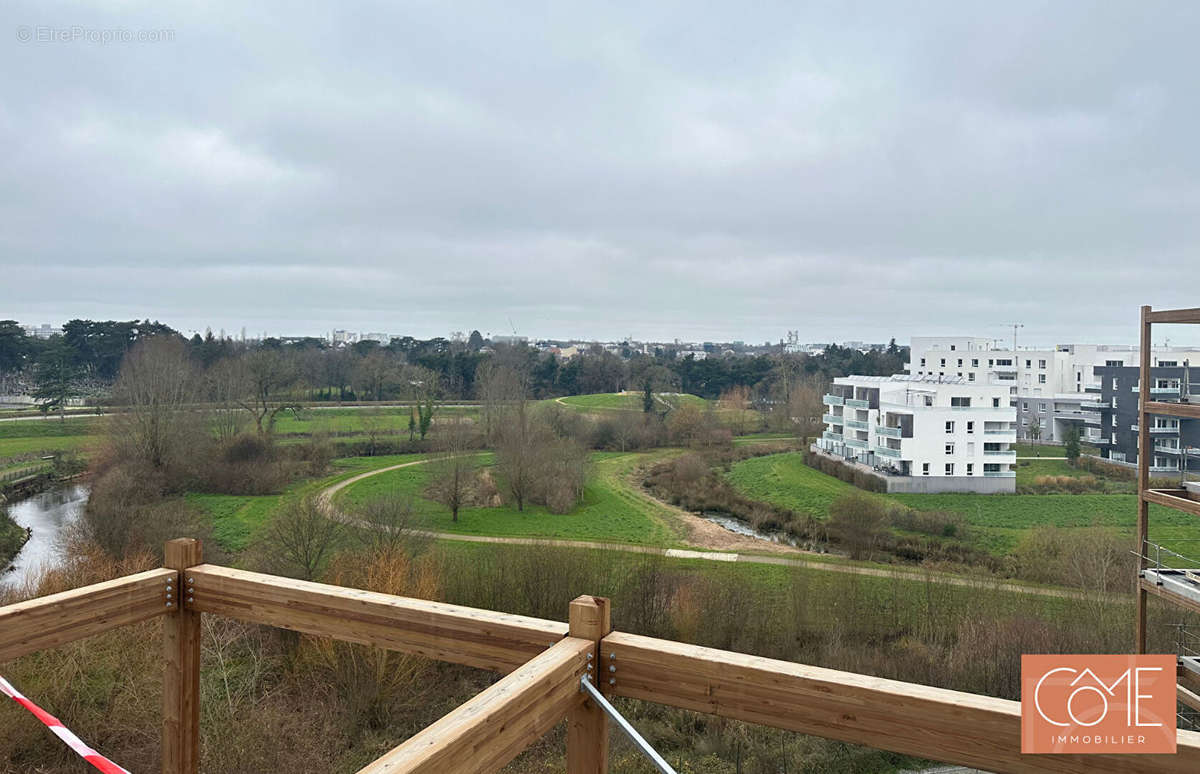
<point>47,513</point>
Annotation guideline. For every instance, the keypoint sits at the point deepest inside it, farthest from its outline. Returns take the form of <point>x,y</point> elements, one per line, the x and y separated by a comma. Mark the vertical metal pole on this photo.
<point>587,725</point>
<point>1144,452</point>
<point>181,661</point>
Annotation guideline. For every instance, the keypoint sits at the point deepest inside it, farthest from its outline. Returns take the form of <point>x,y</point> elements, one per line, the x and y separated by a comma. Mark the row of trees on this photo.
<point>90,352</point>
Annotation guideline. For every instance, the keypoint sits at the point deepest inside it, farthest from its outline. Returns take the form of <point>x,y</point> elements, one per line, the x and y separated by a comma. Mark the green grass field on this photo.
<point>628,401</point>
<point>997,521</point>
<point>607,512</point>
<point>236,518</point>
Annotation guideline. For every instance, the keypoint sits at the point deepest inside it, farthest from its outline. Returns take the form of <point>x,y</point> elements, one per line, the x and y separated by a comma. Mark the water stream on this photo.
<point>47,514</point>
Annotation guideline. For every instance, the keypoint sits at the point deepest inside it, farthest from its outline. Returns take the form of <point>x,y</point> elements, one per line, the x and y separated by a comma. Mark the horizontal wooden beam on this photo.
<point>491,729</point>
<point>463,635</point>
<point>950,726</point>
<point>1179,499</point>
<point>1186,410</point>
<point>1170,596</point>
<point>1174,316</point>
<point>48,622</point>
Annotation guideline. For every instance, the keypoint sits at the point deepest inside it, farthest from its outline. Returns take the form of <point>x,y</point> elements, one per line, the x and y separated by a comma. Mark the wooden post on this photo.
<point>1143,478</point>
<point>587,726</point>
<point>181,660</point>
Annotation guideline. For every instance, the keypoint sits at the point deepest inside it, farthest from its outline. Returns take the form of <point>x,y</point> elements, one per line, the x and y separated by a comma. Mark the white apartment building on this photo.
<point>1048,385</point>
<point>924,433</point>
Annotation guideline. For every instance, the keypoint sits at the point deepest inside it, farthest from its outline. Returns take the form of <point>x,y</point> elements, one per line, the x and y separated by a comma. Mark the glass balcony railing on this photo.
<point>886,452</point>
<point>1162,448</point>
<point>999,452</point>
<point>854,403</point>
<point>1094,404</point>
<point>888,432</point>
<point>854,442</point>
<point>833,400</point>
<point>1010,431</point>
<point>857,424</point>
<point>829,435</point>
<point>1164,429</point>
<point>1000,474</point>
<point>832,419</point>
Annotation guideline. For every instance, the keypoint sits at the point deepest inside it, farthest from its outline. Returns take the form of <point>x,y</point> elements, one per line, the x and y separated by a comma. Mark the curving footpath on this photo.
<point>325,502</point>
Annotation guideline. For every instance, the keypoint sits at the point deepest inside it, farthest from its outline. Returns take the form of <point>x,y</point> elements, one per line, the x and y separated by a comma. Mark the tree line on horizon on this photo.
<point>85,359</point>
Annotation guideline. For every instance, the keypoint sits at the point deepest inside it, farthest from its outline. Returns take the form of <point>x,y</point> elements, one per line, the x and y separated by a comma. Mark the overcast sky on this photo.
<point>660,170</point>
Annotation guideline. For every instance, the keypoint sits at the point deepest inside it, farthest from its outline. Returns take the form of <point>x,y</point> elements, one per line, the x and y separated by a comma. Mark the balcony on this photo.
<point>1163,469</point>
<point>857,424</point>
<point>1000,473</point>
<point>1164,429</point>
<point>833,400</point>
<point>829,435</point>
<point>855,443</point>
<point>999,452</point>
<point>888,432</point>
<point>855,403</point>
<point>886,452</point>
<point>1162,448</point>
<point>1095,404</point>
<point>832,419</point>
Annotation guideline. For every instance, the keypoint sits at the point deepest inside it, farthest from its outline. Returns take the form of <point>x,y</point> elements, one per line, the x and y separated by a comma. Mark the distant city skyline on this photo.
<point>1025,339</point>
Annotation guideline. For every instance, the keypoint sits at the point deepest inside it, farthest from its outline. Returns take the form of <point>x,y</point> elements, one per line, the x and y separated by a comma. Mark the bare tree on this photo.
<point>157,384</point>
<point>299,539</point>
<point>267,373</point>
<point>453,472</point>
<point>374,424</point>
<point>226,388</point>
<point>859,522</point>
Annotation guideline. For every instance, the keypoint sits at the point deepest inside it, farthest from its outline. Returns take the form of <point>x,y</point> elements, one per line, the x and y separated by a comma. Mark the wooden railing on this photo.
<point>543,663</point>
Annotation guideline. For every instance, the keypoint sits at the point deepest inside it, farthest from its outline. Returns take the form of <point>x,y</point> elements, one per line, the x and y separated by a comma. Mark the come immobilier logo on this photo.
<point>1097,704</point>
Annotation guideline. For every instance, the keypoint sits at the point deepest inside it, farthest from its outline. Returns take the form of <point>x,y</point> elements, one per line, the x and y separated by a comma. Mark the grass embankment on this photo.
<point>629,401</point>
<point>608,511</point>
<point>997,521</point>
<point>12,538</point>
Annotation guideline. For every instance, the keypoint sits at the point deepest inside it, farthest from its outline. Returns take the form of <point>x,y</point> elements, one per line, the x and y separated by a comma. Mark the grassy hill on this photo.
<point>997,521</point>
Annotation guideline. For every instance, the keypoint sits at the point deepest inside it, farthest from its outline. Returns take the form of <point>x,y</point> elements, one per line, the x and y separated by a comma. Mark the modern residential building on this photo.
<point>923,433</point>
<point>1113,417</point>
<point>1048,386</point>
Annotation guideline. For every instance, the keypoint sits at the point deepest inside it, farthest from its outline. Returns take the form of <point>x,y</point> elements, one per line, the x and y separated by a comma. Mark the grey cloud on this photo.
<point>856,170</point>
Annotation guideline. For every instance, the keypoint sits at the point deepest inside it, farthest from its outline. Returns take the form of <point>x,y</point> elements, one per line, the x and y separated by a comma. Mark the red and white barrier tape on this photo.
<point>61,731</point>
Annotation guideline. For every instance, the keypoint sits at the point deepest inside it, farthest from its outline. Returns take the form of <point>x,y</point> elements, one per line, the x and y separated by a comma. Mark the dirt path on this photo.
<point>729,551</point>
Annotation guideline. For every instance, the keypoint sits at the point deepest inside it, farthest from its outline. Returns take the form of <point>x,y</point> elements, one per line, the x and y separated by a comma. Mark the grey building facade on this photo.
<point>1111,417</point>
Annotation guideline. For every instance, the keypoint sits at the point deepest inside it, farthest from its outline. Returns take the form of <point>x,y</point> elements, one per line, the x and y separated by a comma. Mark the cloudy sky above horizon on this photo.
<point>848,170</point>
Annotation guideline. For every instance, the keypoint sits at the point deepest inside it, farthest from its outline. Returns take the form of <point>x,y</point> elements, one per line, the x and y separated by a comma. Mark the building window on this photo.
<point>1168,363</point>
<point>971,376</point>
<point>1042,408</point>
<point>1028,363</point>
<point>1114,363</point>
<point>970,468</point>
<point>925,469</point>
<point>1041,364</point>
<point>952,347</point>
<point>1041,378</point>
<point>995,403</point>
<point>960,402</point>
<point>943,363</point>
<point>949,448</point>
<point>1024,405</point>
<point>949,468</point>
<point>949,427</point>
<point>970,427</point>
<point>974,362</point>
